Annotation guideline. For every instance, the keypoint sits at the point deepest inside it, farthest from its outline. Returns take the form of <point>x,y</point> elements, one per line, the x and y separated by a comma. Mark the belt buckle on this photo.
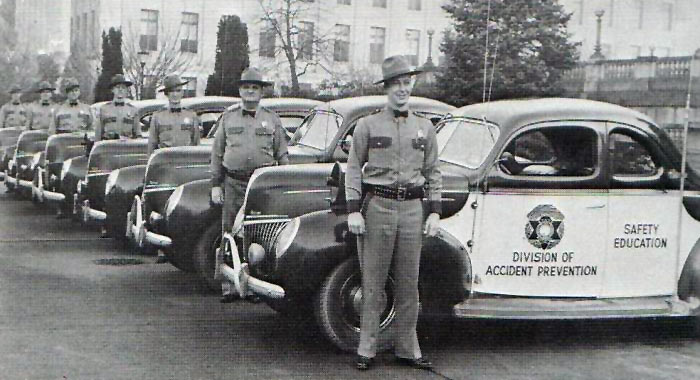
<point>401,193</point>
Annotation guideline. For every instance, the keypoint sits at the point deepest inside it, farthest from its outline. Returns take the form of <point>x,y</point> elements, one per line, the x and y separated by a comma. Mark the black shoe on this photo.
<point>420,363</point>
<point>161,259</point>
<point>103,233</point>
<point>228,298</point>
<point>363,363</point>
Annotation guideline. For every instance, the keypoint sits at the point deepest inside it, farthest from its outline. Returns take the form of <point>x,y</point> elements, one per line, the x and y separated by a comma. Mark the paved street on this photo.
<point>63,315</point>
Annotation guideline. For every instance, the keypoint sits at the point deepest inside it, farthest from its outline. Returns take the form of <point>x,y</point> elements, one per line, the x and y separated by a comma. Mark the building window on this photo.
<point>266,46</point>
<point>668,9</point>
<point>640,14</point>
<point>414,5</point>
<point>379,3</point>
<point>413,42</point>
<point>149,30</point>
<point>190,89</point>
<point>306,40</point>
<point>345,2</point>
<point>190,31</point>
<point>376,44</point>
<point>341,46</point>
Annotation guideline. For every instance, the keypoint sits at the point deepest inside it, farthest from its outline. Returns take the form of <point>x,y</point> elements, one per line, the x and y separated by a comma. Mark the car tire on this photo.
<point>205,256</point>
<point>338,308</point>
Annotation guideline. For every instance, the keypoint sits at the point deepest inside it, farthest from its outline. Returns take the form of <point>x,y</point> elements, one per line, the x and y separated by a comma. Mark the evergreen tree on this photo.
<point>112,63</point>
<point>528,43</point>
<point>231,57</point>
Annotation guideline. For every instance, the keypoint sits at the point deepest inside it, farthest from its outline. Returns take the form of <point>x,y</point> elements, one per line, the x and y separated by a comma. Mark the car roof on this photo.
<point>349,107</point>
<point>513,114</point>
<point>290,104</point>
<point>209,102</point>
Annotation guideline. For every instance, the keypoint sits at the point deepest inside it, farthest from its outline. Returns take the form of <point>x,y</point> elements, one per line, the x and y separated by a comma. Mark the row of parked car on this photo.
<point>552,208</point>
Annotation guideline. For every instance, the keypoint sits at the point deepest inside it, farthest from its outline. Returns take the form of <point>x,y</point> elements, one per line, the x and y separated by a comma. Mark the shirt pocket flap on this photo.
<point>379,142</point>
<point>165,127</point>
<point>262,131</point>
<point>234,130</point>
<point>112,119</point>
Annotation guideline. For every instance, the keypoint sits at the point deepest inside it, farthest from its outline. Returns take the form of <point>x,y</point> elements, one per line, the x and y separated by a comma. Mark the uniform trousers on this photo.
<point>392,239</point>
<point>234,194</point>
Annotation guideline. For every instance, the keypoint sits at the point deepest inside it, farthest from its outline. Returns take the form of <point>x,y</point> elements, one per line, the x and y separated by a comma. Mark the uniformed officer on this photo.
<point>73,116</point>
<point>40,111</point>
<point>173,126</point>
<point>394,158</point>
<point>117,119</point>
<point>14,113</point>
<point>249,137</point>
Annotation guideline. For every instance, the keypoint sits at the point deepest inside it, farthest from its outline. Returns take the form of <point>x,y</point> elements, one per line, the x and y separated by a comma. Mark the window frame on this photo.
<point>374,56</point>
<point>341,43</point>
<point>619,181</point>
<point>187,43</point>
<point>149,42</point>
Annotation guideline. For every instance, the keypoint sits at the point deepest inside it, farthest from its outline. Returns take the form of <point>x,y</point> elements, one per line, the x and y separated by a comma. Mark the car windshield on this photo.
<point>466,142</point>
<point>318,129</point>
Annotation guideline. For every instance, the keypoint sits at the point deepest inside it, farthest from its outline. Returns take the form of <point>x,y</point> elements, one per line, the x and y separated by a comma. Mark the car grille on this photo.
<point>263,232</point>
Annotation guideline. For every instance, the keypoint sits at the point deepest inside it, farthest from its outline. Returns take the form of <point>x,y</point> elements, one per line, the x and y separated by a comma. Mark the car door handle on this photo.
<point>596,206</point>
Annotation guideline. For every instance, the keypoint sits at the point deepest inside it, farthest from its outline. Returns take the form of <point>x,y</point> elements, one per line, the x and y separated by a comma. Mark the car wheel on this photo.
<point>339,304</point>
<point>205,256</point>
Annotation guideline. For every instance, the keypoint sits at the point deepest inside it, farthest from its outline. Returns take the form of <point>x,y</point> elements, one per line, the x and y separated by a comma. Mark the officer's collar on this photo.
<point>46,103</point>
<point>73,103</point>
<point>175,107</point>
<point>392,112</point>
<point>119,103</point>
<point>16,103</point>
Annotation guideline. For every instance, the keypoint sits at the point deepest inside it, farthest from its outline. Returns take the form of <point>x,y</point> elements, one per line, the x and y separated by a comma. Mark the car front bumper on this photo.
<point>137,231</point>
<point>239,275</point>
<point>91,214</point>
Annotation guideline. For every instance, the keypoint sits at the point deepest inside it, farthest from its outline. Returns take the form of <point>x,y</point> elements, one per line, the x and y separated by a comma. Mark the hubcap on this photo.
<point>350,295</point>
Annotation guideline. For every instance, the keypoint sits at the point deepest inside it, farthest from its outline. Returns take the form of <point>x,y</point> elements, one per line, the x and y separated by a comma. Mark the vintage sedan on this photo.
<point>552,209</point>
<point>192,225</point>
<point>29,144</point>
<point>145,192</point>
<point>91,175</point>
<point>8,144</point>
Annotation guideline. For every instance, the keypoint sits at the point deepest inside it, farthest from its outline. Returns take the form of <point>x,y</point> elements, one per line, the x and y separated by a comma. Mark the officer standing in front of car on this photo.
<point>249,137</point>
<point>13,114</point>
<point>73,116</point>
<point>173,126</point>
<point>40,111</point>
<point>117,119</point>
<point>394,158</point>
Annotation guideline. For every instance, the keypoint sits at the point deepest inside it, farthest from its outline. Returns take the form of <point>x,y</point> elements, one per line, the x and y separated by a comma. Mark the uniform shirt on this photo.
<point>393,151</point>
<point>116,120</point>
<point>71,117</point>
<point>40,115</point>
<point>13,115</point>
<point>173,127</point>
<point>244,142</point>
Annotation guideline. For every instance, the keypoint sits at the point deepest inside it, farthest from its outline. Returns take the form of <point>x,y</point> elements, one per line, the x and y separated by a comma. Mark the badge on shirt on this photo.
<point>419,141</point>
<point>187,120</point>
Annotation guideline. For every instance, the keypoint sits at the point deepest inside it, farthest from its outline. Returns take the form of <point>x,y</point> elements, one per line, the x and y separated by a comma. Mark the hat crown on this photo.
<point>118,78</point>
<point>69,83</point>
<point>395,66</point>
<point>172,81</point>
<point>251,74</point>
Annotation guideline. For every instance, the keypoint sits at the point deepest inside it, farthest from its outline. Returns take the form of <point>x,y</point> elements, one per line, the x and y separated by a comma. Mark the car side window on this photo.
<point>629,158</point>
<point>562,151</point>
<point>208,120</point>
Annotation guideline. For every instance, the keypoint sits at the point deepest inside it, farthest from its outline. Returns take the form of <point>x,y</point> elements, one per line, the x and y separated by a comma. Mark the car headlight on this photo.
<point>111,181</point>
<point>286,237</point>
<point>65,168</point>
<point>173,200</point>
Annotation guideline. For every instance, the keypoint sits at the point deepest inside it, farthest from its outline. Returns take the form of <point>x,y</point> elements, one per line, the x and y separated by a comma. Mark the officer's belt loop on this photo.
<point>400,193</point>
<point>241,175</point>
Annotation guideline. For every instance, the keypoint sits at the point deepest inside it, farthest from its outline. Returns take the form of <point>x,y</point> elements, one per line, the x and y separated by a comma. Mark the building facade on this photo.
<point>633,28</point>
<point>350,37</point>
<point>43,26</point>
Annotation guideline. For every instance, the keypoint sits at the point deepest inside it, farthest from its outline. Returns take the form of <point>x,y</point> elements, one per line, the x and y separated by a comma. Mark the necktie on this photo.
<point>73,103</point>
<point>249,113</point>
<point>176,110</point>
<point>400,113</point>
<point>118,104</point>
<point>44,103</point>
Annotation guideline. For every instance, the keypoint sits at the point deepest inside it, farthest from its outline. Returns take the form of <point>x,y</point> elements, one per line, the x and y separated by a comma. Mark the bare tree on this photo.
<point>148,70</point>
<point>297,38</point>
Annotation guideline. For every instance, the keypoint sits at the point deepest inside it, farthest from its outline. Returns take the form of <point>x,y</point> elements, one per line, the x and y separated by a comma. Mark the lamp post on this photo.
<point>143,55</point>
<point>429,62</point>
<point>597,53</point>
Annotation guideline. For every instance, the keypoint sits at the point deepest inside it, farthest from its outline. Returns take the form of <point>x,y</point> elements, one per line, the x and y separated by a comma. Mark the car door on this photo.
<point>644,215</point>
<point>540,224</point>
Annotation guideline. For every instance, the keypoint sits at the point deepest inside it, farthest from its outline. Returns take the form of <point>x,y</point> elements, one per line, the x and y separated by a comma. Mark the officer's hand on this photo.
<point>432,224</point>
<point>356,223</point>
<point>217,196</point>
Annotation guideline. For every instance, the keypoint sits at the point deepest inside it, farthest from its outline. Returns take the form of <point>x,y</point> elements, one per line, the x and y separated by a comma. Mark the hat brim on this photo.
<point>124,82</point>
<point>46,89</point>
<point>411,73</point>
<point>15,91</point>
<point>258,82</point>
<point>68,88</point>
<point>164,89</point>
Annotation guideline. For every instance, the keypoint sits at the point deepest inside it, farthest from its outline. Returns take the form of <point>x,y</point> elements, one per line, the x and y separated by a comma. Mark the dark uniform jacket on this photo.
<point>245,143</point>
<point>117,120</point>
<point>394,152</point>
<point>71,117</point>
<point>173,127</point>
<point>13,115</point>
<point>40,115</point>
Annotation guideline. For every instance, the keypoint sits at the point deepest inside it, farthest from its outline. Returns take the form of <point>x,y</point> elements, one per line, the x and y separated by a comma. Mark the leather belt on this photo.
<point>400,193</point>
<point>241,175</point>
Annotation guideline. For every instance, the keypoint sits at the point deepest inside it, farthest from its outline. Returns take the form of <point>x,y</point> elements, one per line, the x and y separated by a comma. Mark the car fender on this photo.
<point>118,201</point>
<point>689,281</point>
<point>186,221</point>
<point>77,169</point>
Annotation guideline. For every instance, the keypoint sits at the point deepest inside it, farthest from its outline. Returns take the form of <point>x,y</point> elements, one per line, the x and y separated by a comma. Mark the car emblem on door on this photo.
<point>545,226</point>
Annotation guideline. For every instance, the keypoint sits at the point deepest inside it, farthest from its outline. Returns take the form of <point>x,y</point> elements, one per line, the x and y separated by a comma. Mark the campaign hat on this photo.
<point>15,89</point>
<point>119,79</point>
<point>396,66</point>
<point>253,75</point>
<point>44,86</point>
<point>172,82</point>
<point>69,84</point>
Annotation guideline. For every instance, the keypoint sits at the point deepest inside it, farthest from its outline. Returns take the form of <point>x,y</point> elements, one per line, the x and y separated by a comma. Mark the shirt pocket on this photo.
<point>264,138</point>
<point>379,149</point>
<point>234,135</point>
